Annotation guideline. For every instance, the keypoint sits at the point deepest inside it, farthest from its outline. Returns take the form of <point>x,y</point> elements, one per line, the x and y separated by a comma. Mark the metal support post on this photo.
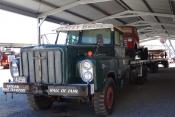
<point>39,31</point>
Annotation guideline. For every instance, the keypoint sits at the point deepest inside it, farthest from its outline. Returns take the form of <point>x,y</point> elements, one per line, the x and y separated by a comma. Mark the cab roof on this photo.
<point>79,27</point>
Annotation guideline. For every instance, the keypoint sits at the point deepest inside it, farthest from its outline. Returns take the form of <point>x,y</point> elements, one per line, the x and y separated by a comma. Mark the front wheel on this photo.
<point>104,101</point>
<point>39,102</point>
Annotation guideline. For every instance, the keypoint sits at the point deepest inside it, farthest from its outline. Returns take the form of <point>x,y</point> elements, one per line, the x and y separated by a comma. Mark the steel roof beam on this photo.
<point>148,6</point>
<point>68,6</point>
<point>117,15</point>
<point>126,7</point>
<point>172,7</point>
<point>26,12</point>
<point>15,9</point>
<point>54,7</point>
<point>155,38</point>
<point>145,23</point>
<point>129,13</point>
<point>149,29</point>
<point>142,13</point>
<point>105,13</point>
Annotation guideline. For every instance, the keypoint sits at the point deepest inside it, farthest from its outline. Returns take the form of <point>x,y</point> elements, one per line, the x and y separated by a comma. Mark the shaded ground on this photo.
<point>156,98</point>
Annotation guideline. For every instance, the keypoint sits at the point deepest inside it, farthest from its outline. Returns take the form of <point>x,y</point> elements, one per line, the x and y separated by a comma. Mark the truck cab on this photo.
<point>131,42</point>
<point>86,61</point>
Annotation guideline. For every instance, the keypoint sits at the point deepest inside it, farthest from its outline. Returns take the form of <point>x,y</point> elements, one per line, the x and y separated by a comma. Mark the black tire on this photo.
<point>145,54</point>
<point>156,68</point>
<point>141,79</point>
<point>131,53</point>
<point>39,102</point>
<point>133,77</point>
<point>104,101</point>
<point>140,53</point>
<point>165,64</point>
<point>153,68</point>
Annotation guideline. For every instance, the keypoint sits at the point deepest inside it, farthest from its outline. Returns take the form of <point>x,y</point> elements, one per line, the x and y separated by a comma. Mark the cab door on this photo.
<point>120,53</point>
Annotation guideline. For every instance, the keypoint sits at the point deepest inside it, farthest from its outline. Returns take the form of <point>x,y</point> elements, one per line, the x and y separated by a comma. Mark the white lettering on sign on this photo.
<point>54,90</point>
<point>84,27</point>
<point>73,91</point>
<point>64,91</point>
<point>14,90</point>
<point>13,86</point>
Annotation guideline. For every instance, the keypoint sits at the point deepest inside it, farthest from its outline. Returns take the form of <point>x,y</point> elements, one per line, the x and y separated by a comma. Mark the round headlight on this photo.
<point>86,70</point>
<point>87,76</point>
<point>14,69</point>
<point>86,65</point>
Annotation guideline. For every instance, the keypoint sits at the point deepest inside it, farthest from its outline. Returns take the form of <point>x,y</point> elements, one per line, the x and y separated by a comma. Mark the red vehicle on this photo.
<point>131,38</point>
<point>131,42</point>
<point>4,60</point>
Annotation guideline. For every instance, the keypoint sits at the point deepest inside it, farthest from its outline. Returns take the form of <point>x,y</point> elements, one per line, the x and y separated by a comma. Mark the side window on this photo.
<point>117,38</point>
<point>73,37</point>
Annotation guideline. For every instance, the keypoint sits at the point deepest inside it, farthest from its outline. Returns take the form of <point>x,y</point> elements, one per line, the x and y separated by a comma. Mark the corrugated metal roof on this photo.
<point>108,11</point>
<point>114,7</point>
<point>87,11</point>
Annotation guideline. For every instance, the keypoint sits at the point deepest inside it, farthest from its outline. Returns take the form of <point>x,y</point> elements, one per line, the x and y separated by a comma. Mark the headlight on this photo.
<point>86,70</point>
<point>87,76</point>
<point>14,69</point>
<point>86,65</point>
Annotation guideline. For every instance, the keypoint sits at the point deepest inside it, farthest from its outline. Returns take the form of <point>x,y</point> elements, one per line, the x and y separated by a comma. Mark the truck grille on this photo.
<point>42,66</point>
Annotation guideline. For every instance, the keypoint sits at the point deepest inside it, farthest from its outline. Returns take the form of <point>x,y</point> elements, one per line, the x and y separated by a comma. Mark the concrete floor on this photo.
<point>156,98</point>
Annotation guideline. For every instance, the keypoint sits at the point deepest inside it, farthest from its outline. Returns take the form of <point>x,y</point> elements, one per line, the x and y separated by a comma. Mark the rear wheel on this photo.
<point>143,53</point>
<point>39,102</point>
<point>131,53</point>
<point>154,68</point>
<point>143,78</point>
<point>165,64</point>
<point>133,76</point>
<point>135,79</point>
<point>104,101</point>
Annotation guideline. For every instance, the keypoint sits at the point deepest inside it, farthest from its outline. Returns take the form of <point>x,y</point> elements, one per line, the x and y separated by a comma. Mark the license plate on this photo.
<point>20,79</point>
<point>15,88</point>
<point>67,91</point>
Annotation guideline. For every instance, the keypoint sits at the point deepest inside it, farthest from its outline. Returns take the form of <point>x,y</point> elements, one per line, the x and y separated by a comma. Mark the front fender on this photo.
<point>103,68</point>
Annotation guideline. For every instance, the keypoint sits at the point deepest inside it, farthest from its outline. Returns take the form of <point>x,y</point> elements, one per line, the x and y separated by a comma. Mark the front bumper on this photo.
<point>82,90</point>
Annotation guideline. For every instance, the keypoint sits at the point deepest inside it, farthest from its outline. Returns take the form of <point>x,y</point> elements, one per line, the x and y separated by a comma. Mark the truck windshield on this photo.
<point>91,36</point>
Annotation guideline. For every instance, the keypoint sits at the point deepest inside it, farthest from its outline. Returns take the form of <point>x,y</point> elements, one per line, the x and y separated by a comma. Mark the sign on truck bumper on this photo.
<point>15,88</point>
<point>53,90</point>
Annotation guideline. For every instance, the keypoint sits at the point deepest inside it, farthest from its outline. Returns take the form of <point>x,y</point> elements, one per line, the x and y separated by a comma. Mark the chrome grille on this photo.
<point>42,66</point>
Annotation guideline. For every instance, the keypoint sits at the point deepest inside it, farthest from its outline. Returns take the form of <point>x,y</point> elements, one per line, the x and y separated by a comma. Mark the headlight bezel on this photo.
<point>83,69</point>
<point>14,68</point>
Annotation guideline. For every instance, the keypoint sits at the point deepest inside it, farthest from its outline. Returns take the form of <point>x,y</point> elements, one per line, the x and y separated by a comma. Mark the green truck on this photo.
<point>86,61</point>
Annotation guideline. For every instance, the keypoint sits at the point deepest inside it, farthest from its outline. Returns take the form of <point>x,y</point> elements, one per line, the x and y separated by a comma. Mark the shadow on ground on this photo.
<point>153,99</point>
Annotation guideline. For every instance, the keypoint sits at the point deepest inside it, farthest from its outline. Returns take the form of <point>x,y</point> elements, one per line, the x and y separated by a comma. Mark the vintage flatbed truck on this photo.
<point>149,57</point>
<point>87,62</point>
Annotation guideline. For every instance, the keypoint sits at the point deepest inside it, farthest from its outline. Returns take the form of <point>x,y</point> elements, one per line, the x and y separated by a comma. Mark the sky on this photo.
<point>16,28</point>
